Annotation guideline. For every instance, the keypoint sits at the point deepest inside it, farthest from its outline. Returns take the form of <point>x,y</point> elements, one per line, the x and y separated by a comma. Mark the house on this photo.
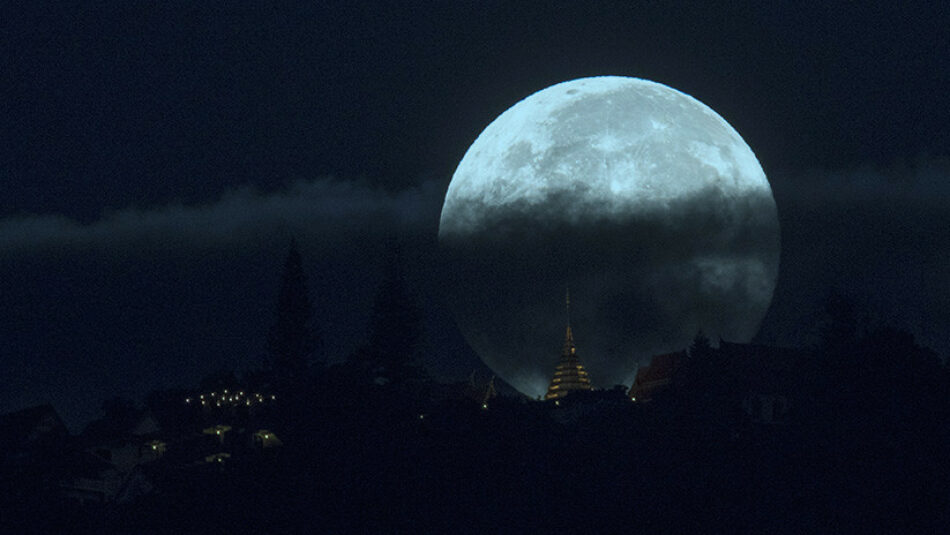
<point>28,434</point>
<point>85,477</point>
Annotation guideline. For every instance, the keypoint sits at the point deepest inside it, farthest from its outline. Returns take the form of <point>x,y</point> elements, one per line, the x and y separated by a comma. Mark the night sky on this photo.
<point>156,161</point>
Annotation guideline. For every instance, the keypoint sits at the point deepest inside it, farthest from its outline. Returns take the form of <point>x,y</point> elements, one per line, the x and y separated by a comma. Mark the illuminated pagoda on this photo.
<point>569,375</point>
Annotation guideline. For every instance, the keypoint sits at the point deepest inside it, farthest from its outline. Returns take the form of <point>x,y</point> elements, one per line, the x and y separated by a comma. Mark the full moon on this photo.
<point>642,200</point>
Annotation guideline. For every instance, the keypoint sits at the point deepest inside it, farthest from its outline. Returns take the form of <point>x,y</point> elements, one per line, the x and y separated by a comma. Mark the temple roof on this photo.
<point>661,368</point>
<point>656,376</point>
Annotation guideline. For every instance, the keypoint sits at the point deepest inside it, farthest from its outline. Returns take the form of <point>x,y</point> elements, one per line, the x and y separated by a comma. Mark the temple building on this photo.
<point>656,377</point>
<point>569,375</point>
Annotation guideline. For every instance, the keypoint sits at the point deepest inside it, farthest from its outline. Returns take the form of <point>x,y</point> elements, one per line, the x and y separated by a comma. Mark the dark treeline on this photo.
<point>858,444</point>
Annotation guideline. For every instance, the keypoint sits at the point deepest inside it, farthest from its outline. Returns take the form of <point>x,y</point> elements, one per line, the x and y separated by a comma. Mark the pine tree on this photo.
<point>700,348</point>
<point>840,331</point>
<point>395,327</point>
<point>292,341</point>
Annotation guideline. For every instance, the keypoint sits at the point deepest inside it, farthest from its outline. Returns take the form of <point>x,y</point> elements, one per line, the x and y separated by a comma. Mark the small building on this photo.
<point>265,439</point>
<point>218,430</point>
<point>146,425</point>
<point>89,478</point>
<point>218,457</point>
<point>30,433</point>
<point>768,377</point>
<point>766,408</point>
<point>156,447</point>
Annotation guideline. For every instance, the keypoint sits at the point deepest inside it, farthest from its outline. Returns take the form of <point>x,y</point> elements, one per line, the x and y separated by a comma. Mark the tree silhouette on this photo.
<point>700,348</point>
<point>839,332</point>
<point>706,387</point>
<point>395,327</point>
<point>292,340</point>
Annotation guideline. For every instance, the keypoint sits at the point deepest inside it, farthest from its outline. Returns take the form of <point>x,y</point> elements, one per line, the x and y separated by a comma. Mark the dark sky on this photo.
<point>156,159</point>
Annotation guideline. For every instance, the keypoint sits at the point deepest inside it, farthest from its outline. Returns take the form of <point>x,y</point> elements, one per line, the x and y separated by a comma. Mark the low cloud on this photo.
<point>327,207</point>
<point>925,183</point>
<point>165,295</point>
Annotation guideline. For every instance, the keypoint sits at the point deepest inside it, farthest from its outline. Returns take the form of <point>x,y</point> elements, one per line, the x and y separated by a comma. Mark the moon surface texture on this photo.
<point>642,200</point>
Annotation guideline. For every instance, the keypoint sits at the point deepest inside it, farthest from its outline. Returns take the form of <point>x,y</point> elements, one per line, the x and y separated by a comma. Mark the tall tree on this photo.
<point>700,348</point>
<point>840,330</point>
<point>395,326</point>
<point>292,339</point>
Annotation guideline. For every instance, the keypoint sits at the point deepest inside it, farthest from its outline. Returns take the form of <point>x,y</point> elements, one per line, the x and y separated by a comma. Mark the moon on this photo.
<point>642,200</point>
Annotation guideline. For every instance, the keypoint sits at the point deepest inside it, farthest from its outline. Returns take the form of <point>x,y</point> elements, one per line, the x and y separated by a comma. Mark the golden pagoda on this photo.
<point>569,375</point>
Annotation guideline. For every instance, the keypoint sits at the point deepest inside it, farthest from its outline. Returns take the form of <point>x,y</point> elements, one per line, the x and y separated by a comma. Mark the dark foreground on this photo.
<point>863,447</point>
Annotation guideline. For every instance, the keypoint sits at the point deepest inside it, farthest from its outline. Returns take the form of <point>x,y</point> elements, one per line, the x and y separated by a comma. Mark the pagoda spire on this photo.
<point>569,374</point>
<point>569,348</point>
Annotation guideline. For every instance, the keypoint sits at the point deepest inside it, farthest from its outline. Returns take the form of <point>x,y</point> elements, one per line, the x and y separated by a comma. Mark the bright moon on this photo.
<point>641,198</point>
